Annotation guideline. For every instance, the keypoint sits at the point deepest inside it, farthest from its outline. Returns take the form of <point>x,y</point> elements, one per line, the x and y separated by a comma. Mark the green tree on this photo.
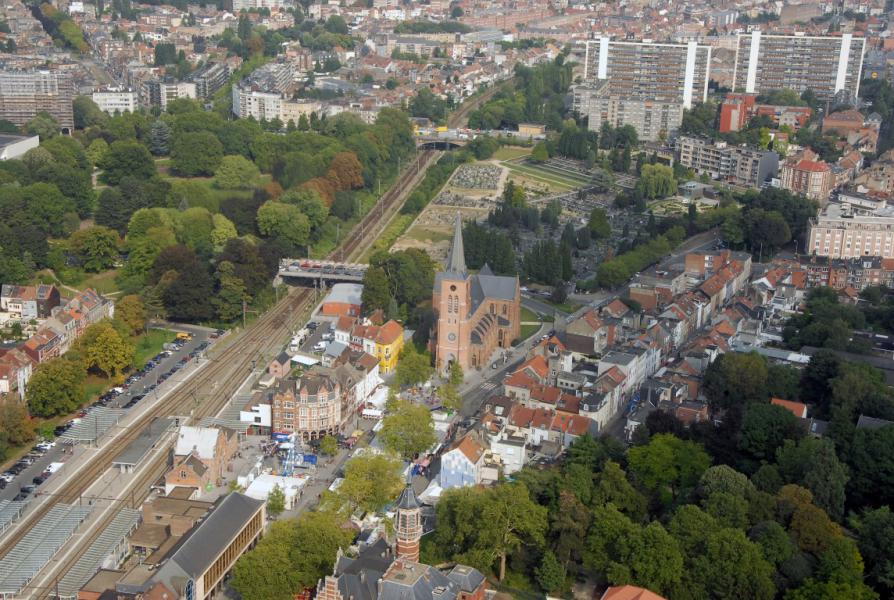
<point>126,159</point>
<point>657,181</point>
<point>235,173</point>
<point>667,465</point>
<point>105,349</point>
<point>160,138</point>
<point>812,462</point>
<point>196,153</point>
<point>408,429</point>
<point>735,380</point>
<point>329,445</point>
<point>540,154</point>
<point>509,520</point>
<point>284,221</point>
<point>87,113</point>
<point>293,555</point>
<point>44,125</point>
<point>831,590</point>
<point>231,292</point>
<point>598,224</point>
<point>95,247</point>
<point>371,481</point>
<point>734,567</point>
<point>413,367</point>
<point>55,388</point>
<point>550,573</point>
<point>16,427</point>
<point>96,151</point>
<point>456,376</point>
<point>276,501</point>
<point>875,538</point>
<point>765,428</point>
<point>131,311</point>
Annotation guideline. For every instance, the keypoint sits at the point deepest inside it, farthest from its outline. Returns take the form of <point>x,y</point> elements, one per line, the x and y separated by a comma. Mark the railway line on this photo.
<point>209,389</point>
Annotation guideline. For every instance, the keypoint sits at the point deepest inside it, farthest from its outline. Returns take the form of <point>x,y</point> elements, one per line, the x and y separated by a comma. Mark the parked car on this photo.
<point>319,346</point>
<point>7,476</point>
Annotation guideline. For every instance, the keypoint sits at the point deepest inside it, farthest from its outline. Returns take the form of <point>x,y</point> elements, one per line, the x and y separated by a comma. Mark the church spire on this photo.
<point>456,258</point>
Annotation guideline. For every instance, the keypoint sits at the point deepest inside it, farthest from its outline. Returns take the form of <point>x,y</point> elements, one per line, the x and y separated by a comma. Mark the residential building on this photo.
<point>210,78</point>
<point>161,92</point>
<point>642,84</point>
<point>15,146</point>
<point>116,100</point>
<point>843,122</point>
<point>799,409</point>
<point>653,120</point>
<point>27,302</point>
<point>837,233</point>
<point>23,94</point>
<point>238,6</point>
<point>629,592</point>
<point>385,341</point>
<point>308,407</point>
<point>477,314</point>
<point>673,73</point>
<point>261,94</point>
<point>461,464</point>
<point>740,165</point>
<point>827,65</point>
<point>810,178</point>
<point>15,371</point>
<point>737,109</point>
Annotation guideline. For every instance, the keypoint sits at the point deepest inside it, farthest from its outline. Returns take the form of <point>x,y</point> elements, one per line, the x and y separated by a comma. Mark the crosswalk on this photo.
<point>488,385</point>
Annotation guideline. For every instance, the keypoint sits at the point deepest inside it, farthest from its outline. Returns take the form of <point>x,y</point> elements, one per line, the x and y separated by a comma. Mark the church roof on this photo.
<point>456,257</point>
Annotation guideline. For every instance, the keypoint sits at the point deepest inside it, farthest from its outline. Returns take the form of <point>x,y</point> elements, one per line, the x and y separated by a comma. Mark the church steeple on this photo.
<point>456,258</point>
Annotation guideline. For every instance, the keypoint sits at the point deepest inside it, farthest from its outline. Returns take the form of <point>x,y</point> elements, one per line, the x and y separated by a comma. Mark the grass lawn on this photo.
<point>104,282</point>
<point>528,330</point>
<point>428,235</point>
<point>150,344</point>
<point>510,152</point>
<point>528,315</point>
<point>555,184</point>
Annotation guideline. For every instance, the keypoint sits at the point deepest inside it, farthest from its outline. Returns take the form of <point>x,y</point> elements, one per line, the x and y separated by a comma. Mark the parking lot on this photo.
<point>158,370</point>
<point>24,477</point>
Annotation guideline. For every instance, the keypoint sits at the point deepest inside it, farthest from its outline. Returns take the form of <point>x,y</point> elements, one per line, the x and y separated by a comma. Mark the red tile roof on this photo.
<point>799,409</point>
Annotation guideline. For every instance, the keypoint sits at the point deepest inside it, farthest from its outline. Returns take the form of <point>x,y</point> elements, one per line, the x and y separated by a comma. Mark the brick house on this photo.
<point>212,447</point>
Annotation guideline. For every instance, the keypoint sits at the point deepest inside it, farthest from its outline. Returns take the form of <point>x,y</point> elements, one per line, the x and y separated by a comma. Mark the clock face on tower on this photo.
<point>451,337</point>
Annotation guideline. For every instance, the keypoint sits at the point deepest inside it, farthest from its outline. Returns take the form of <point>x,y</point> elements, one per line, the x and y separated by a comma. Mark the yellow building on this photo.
<point>385,343</point>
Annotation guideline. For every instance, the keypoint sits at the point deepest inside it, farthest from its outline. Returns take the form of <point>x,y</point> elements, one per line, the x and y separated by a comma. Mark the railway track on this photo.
<point>208,390</point>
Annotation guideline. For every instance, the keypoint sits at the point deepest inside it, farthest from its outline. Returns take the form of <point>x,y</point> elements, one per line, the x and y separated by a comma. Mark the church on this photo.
<point>476,313</point>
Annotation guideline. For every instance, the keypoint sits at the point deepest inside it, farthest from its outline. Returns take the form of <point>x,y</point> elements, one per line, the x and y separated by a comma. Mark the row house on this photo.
<point>28,302</point>
<point>15,371</point>
<point>635,362</point>
<point>856,273</point>
<point>384,341</point>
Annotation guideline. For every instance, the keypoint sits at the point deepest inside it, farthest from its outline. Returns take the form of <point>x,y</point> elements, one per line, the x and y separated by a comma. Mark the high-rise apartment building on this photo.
<point>23,94</point>
<point>648,71</point>
<point>645,85</point>
<point>827,65</point>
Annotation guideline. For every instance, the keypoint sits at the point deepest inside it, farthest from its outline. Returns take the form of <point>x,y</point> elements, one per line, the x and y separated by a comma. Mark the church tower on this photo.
<point>409,525</point>
<point>453,306</point>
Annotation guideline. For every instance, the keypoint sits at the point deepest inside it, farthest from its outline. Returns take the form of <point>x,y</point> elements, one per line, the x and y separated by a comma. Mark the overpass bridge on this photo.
<point>326,270</point>
<point>443,139</point>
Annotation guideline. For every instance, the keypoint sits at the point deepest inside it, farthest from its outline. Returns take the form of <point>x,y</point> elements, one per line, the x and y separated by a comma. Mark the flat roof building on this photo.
<point>24,94</point>
<point>827,65</point>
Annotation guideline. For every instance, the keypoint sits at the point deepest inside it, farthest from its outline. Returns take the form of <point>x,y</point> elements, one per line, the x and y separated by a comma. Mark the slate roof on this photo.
<point>205,542</point>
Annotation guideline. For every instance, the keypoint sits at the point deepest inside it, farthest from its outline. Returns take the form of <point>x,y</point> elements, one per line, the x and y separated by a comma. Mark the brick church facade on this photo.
<point>476,313</point>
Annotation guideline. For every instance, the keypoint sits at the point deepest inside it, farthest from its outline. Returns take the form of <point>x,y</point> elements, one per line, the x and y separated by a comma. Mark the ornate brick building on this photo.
<point>476,313</point>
